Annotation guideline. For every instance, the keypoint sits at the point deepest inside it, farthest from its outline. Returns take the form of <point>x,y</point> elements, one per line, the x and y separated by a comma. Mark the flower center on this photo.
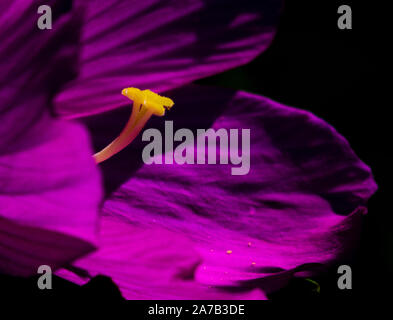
<point>146,103</point>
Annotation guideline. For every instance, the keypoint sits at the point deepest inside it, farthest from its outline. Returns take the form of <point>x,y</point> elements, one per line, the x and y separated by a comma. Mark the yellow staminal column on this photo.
<point>146,103</point>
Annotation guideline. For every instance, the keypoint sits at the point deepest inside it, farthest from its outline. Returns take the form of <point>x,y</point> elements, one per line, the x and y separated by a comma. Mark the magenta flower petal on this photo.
<point>149,263</point>
<point>49,183</point>
<point>49,196</point>
<point>160,45</point>
<point>300,205</point>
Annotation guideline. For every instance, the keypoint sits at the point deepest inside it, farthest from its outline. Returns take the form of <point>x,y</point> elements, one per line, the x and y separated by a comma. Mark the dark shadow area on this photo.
<point>99,288</point>
<point>337,75</point>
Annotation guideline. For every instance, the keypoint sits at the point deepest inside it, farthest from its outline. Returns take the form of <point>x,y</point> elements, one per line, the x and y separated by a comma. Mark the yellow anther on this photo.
<point>146,103</point>
<point>149,99</point>
<point>229,251</point>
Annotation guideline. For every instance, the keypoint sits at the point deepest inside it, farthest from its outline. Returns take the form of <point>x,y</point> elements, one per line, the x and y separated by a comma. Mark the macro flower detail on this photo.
<point>298,210</point>
<point>146,103</point>
<point>169,231</point>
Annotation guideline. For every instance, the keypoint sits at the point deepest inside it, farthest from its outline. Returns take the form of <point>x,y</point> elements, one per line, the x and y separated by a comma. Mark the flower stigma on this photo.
<point>145,104</point>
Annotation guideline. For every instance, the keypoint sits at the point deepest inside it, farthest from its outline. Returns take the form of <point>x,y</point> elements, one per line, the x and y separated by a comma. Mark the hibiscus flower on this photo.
<point>162,231</point>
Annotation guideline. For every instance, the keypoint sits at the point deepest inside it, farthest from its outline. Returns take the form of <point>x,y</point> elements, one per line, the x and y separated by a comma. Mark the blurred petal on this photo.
<point>49,184</point>
<point>149,263</point>
<point>160,45</point>
<point>299,207</point>
<point>49,196</point>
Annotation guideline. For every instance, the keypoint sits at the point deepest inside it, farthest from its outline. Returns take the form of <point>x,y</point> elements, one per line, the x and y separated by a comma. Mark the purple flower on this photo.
<point>164,231</point>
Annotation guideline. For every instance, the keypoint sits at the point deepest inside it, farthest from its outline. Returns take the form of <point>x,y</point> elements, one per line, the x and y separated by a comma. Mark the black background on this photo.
<point>336,74</point>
